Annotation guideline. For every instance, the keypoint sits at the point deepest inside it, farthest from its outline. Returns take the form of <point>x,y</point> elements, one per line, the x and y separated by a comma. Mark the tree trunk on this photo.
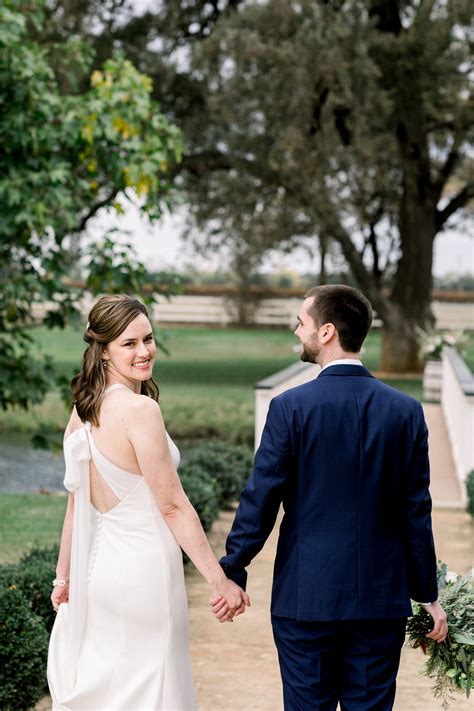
<point>409,308</point>
<point>400,346</point>
<point>323,250</point>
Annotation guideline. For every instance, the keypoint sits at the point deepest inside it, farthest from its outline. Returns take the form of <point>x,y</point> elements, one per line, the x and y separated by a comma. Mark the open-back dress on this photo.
<point>121,642</point>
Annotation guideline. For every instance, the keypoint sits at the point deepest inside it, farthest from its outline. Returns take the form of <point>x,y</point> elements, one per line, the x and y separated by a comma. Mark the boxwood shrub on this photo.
<point>227,464</point>
<point>23,648</point>
<point>36,571</point>
<point>470,492</point>
<point>201,490</point>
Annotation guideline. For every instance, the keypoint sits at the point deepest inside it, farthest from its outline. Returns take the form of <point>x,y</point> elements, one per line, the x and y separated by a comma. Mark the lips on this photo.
<point>142,365</point>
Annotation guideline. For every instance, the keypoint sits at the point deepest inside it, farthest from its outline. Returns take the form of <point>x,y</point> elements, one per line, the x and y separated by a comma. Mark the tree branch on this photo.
<point>204,161</point>
<point>94,209</point>
<point>321,95</point>
<point>200,163</point>
<point>447,168</point>
<point>456,203</point>
<point>364,278</point>
<point>387,14</point>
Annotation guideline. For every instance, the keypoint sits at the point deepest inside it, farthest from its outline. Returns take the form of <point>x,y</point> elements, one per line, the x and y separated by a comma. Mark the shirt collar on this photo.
<point>343,361</point>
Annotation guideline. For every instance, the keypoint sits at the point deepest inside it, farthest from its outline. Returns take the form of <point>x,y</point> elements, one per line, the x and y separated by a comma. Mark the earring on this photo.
<point>104,362</point>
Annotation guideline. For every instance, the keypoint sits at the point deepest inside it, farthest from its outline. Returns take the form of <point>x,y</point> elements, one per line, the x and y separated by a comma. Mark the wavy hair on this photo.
<point>108,318</point>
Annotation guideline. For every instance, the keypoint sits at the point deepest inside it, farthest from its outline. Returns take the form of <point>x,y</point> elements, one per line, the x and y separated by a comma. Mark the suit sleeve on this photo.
<point>421,556</point>
<point>261,497</point>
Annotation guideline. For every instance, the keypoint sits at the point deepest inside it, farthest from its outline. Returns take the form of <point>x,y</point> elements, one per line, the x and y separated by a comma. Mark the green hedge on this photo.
<point>226,464</point>
<point>23,649</point>
<point>26,619</point>
<point>37,570</point>
<point>201,489</point>
<point>470,492</point>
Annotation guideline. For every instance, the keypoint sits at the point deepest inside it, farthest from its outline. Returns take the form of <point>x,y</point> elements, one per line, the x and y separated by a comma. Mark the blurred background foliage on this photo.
<point>65,155</point>
<point>341,124</point>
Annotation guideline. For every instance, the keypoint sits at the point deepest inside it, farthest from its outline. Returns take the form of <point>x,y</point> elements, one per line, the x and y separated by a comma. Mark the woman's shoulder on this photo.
<point>141,406</point>
<point>143,414</point>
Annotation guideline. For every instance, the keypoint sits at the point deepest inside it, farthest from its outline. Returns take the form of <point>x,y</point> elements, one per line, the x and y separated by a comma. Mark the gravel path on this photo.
<point>236,667</point>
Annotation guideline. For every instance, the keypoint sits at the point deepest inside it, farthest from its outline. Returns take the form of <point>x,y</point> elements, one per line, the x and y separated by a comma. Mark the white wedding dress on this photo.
<point>121,643</point>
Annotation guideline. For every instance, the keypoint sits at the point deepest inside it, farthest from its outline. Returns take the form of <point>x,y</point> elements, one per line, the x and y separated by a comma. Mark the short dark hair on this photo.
<point>346,308</point>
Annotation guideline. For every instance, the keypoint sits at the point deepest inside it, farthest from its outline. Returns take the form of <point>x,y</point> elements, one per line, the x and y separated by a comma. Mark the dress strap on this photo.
<point>115,386</point>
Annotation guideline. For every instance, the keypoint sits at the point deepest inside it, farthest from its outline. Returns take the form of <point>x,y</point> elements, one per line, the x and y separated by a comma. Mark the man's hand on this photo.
<point>440,629</point>
<point>221,609</point>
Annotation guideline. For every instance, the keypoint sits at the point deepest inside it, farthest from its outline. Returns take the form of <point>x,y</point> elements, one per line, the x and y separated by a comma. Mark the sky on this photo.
<point>160,246</point>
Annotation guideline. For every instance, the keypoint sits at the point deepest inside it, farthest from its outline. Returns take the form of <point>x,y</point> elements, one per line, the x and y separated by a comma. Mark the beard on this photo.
<point>309,352</point>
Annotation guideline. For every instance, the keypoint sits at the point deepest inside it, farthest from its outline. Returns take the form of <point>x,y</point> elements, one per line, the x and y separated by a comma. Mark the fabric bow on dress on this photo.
<point>77,454</point>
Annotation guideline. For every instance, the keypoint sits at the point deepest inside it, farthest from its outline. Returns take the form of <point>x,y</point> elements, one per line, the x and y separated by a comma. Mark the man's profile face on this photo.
<point>307,332</point>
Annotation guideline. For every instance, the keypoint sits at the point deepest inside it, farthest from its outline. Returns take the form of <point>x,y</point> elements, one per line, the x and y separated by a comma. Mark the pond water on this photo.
<point>27,470</point>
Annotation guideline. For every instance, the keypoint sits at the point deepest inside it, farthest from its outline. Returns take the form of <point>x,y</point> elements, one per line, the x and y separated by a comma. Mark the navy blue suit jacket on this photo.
<point>347,456</point>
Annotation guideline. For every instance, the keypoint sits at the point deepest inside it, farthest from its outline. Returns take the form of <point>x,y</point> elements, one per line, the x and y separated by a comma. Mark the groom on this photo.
<point>348,458</point>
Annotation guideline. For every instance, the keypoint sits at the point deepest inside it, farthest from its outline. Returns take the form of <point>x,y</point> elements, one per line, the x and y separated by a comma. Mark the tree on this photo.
<point>343,121</point>
<point>350,121</point>
<point>64,156</point>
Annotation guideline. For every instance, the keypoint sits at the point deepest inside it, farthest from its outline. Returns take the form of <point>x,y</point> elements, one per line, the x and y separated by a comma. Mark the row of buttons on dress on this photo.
<point>93,554</point>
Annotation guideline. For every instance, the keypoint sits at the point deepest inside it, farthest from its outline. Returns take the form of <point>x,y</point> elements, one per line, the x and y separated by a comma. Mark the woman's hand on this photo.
<point>59,595</point>
<point>228,600</point>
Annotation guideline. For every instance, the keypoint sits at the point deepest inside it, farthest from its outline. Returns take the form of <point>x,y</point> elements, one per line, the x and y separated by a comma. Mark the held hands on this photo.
<point>440,629</point>
<point>228,600</point>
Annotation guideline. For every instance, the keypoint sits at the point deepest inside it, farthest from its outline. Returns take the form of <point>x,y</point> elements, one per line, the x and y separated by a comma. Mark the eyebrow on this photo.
<point>128,340</point>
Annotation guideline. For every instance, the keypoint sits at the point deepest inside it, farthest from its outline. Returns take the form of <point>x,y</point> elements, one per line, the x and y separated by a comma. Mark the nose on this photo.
<point>142,350</point>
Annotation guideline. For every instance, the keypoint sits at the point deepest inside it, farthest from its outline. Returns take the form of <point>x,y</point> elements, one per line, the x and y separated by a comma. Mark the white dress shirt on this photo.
<point>343,361</point>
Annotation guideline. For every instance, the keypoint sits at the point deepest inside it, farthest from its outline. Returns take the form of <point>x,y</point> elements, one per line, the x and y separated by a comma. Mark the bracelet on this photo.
<point>60,583</point>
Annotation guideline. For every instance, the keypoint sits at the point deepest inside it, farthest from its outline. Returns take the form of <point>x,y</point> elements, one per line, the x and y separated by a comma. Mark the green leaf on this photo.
<point>463,637</point>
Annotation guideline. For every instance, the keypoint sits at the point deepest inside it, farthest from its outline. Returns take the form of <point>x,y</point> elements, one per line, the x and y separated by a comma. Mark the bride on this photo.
<point>120,639</point>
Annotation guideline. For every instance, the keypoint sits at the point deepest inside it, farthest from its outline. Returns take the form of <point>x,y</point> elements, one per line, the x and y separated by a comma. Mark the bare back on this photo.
<point>111,439</point>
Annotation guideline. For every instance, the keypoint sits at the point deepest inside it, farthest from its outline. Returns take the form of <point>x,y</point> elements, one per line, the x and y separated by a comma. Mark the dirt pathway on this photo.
<point>235,665</point>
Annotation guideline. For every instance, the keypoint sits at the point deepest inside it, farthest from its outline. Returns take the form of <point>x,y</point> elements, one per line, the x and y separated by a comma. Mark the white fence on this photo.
<point>222,311</point>
<point>457,401</point>
<point>453,315</point>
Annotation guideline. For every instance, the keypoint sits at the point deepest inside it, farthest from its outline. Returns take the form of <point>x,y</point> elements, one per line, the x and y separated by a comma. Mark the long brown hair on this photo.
<point>108,318</point>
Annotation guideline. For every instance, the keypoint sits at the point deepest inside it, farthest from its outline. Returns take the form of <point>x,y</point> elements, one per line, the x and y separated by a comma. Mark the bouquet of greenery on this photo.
<point>451,663</point>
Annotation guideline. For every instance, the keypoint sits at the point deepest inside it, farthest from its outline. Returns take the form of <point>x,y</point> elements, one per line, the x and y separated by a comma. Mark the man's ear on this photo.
<point>327,332</point>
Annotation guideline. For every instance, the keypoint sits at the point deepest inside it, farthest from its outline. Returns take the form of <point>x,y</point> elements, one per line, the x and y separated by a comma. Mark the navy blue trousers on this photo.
<point>352,662</point>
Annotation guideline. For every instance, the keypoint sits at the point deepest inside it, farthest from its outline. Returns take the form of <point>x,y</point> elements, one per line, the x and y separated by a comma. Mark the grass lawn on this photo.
<point>27,520</point>
<point>469,357</point>
<point>207,390</point>
<point>206,382</point>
